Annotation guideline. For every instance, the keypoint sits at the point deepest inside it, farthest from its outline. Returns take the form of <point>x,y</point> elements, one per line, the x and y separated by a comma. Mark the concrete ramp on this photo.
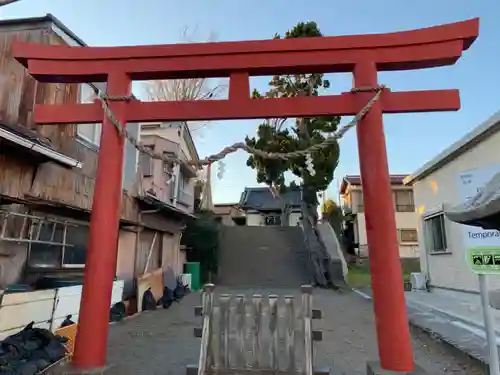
<point>329,238</point>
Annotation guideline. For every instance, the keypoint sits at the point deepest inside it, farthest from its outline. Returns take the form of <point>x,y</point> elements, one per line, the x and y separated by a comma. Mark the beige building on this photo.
<point>230,214</point>
<point>444,181</point>
<point>169,183</point>
<point>351,194</point>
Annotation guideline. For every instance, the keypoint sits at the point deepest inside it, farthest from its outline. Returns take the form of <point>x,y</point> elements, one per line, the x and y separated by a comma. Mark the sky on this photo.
<point>412,139</point>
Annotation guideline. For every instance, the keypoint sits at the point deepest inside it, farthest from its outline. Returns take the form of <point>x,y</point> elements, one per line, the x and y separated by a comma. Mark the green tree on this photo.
<point>333,214</point>
<point>201,236</point>
<point>278,135</point>
<point>328,207</point>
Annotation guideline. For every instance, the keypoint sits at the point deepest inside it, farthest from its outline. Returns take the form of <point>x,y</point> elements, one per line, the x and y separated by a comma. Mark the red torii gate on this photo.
<point>364,55</point>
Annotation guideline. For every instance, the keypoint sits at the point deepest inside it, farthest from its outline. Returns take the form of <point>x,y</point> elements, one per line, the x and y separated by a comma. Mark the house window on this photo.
<point>435,234</point>
<point>59,245</point>
<point>404,201</point>
<point>146,162</point>
<point>45,248</point>
<point>183,182</point>
<point>408,236</point>
<point>183,195</point>
<point>74,255</point>
<point>272,220</point>
<point>360,206</point>
<point>168,167</point>
<point>88,132</point>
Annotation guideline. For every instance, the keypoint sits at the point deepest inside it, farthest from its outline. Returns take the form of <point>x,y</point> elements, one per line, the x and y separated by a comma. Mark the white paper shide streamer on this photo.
<point>221,169</point>
<point>310,165</point>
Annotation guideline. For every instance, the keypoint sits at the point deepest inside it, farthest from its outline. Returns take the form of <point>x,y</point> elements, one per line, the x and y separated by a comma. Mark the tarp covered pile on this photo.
<point>30,351</point>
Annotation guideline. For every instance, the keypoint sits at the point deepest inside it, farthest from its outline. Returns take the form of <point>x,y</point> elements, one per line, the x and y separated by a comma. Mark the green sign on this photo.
<point>482,247</point>
<point>484,259</point>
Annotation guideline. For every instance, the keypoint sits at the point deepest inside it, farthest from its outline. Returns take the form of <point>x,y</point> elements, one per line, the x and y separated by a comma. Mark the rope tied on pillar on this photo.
<point>105,99</point>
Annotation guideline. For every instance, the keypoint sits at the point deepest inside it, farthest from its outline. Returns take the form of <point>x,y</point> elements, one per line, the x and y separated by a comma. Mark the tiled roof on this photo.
<point>396,179</point>
<point>467,142</point>
<point>27,134</point>
<point>261,198</point>
<point>30,141</point>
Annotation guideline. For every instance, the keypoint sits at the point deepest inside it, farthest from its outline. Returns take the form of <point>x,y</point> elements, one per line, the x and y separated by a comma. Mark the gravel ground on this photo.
<point>162,342</point>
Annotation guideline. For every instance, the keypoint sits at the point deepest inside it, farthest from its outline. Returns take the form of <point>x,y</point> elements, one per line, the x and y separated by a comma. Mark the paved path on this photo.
<point>452,316</point>
<point>162,342</point>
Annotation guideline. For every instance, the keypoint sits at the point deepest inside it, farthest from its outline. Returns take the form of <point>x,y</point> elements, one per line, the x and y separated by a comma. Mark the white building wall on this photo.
<point>255,219</point>
<point>449,270</point>
<point>294,219</point>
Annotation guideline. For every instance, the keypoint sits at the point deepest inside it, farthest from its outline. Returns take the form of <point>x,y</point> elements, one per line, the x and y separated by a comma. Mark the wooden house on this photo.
<point>47,175</point>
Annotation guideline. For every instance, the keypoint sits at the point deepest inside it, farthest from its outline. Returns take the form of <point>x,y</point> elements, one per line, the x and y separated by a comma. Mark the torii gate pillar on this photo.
<point>362,55</point>
<point>100,263</point>
<point>380,222</point>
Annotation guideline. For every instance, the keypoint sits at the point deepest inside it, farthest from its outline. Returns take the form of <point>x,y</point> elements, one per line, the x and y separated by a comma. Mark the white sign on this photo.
<point>481,246</point>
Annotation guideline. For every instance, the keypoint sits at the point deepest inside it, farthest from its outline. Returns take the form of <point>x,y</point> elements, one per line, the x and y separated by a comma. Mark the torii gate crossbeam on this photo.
<point>363,55</point>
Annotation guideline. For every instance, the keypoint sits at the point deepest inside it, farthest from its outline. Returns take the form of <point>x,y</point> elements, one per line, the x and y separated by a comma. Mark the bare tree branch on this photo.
<point>187,89</point>
<point>278,123</point>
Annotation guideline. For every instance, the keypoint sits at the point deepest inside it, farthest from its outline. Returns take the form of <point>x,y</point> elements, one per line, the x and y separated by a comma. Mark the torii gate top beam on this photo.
<point>424,48</point>
<point>416,49</point>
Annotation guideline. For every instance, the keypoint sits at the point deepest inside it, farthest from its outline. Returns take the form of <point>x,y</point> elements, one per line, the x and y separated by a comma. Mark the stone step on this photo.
<point>262,256</point>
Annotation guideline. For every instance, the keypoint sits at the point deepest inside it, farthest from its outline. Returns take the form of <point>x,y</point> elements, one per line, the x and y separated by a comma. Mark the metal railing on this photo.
<point>26,228</point>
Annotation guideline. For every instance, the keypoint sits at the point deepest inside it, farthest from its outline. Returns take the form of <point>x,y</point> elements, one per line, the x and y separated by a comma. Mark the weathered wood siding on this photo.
<point>19,92</point>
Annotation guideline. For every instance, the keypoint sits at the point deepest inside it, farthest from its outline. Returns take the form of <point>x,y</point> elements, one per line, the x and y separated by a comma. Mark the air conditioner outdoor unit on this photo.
<point>418,281</point>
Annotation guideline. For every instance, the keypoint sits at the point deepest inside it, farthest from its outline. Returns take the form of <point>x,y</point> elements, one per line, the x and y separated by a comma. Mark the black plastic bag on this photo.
<point>28,368</point>
<point>180,290</point>
<point>55,351</point>
<point>167,298</point>
<point>148,300</point>
<point>30,351</point>
<point>67,322</point>
<point>117,312</point>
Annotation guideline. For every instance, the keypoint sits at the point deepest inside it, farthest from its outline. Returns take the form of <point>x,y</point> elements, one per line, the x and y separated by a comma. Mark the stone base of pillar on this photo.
<point>69,369</point>
<point>374,368</point>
